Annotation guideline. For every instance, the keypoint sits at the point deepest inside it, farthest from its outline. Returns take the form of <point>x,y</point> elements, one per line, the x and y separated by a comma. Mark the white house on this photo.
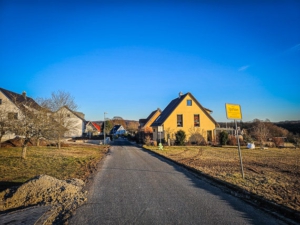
<point>13,106</point>
<point>118,130</point>
<point>75,122</point>
<point>92,128</point>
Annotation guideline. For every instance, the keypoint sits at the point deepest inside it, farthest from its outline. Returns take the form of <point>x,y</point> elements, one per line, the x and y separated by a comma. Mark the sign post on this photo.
<point>233,111</point>
<point>160,130</point>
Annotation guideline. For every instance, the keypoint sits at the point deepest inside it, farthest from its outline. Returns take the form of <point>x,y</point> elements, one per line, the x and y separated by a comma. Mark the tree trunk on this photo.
<point>58,143</point>
<point>261,144</point>
<point>24,148</point>
<point>38,142</point>
<point>24,151</point>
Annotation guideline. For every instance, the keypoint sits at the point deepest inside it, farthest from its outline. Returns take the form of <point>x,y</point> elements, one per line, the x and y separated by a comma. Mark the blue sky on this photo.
<point>128,58</point>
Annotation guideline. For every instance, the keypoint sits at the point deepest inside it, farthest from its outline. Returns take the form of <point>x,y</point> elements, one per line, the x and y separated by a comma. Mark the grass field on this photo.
<point>271,173</point>
<point>75,161</point>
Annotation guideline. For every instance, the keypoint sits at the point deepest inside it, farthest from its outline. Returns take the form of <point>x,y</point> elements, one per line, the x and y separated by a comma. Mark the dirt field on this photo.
<point>271,173</point>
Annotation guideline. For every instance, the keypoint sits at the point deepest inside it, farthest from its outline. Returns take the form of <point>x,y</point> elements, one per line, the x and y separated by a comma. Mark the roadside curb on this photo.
<point>288,215</point>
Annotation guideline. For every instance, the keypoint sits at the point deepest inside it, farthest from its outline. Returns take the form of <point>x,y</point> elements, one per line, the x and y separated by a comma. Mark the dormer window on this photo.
<point>189,102</point>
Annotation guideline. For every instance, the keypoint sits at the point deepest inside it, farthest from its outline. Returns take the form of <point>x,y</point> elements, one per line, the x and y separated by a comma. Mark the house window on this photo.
<point>0,101</point>
<point>196,120</point>
<point>189,102</point>
<point>153,129</point>
<point>12,116</point>
<point>179,120</point>
<point>68,115</point>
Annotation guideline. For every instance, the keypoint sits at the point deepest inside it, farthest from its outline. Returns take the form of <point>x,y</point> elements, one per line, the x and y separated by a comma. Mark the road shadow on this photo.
<point>4,185</point>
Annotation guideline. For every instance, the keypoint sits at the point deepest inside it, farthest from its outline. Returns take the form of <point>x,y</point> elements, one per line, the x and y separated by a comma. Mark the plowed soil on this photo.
<point>270,173</point>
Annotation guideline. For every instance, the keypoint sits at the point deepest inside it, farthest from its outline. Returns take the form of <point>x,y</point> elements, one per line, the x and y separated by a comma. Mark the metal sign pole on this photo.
<point>239,148</point>
<point>234,112</point>
<point>159,137</point>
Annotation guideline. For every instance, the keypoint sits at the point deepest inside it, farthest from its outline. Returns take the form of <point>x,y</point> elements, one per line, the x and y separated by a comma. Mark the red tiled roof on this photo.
<point>96,126</point>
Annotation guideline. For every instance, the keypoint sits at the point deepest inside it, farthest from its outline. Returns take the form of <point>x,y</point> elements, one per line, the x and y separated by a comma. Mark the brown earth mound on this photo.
<point>63,196</point>
<point>18,142</point>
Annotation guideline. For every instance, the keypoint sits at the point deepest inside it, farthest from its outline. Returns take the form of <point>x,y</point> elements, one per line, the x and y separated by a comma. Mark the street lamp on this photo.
<point>104,127</point>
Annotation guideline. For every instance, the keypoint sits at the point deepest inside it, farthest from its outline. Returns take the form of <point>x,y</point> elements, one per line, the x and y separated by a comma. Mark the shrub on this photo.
<point>180,137</point>
<point>223,137</point>
<point>147,140</point>
<point>197,139</point>
<point>232,140</point>
<point>278,141</point>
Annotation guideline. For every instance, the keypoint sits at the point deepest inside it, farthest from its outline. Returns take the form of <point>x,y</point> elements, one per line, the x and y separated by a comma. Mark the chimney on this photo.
<point>24,94</point>
<point>180,94</point>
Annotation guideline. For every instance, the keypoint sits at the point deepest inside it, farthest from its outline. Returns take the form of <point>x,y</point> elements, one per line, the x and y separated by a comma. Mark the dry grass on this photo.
<point>75,161</point>
<point>271,173</point>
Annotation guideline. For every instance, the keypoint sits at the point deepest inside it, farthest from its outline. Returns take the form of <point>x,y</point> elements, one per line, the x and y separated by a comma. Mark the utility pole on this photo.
<point>104,127</point>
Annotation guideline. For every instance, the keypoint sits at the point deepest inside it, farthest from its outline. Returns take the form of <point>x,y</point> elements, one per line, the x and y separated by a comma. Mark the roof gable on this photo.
<point>93,125</point>
<point>20,100</point>
<point>116,128</point>
<point>73,112</point>
<point>168,110</point>
<point>96,126</point>
<point>151,117</point>
<point>174,104</point>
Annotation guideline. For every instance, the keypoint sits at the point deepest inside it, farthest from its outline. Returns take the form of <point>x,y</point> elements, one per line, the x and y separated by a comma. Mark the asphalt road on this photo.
<point>134,186</point>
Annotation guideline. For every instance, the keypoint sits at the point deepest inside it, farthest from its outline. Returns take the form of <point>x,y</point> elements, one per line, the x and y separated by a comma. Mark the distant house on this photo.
<point>187,114</point>
<point>144,123</point>
<point>92,129</point>
<point>15,106</point>
<point>75,120</point>
<point>117,130</point>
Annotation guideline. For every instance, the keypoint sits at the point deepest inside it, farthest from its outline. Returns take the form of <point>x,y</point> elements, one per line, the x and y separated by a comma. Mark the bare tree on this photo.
<point>260,132</point>
<point>132,127</point>
<point>61,104</point>
<point>196,136</point>
<point>23,123</point>
<point>108,126</point>
<point>170,135</point>
<point>44,122</point>
<point>118,121</point>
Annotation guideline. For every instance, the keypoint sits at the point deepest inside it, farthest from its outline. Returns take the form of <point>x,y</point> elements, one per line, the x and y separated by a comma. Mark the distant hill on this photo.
<point>291,126</point>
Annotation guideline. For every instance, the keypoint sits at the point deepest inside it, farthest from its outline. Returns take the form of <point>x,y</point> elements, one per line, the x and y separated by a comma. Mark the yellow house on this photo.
<point>187,114</point>
<point>146,123</point>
